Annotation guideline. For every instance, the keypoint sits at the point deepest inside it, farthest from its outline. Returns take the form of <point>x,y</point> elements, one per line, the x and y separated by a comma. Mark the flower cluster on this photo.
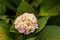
<point>26,23</point>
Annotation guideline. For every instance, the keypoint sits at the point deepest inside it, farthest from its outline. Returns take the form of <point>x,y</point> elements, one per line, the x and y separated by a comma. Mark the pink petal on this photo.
<point>21,30</point>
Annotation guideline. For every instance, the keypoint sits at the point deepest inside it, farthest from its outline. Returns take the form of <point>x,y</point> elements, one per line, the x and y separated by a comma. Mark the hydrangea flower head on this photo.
<point>26,23</point>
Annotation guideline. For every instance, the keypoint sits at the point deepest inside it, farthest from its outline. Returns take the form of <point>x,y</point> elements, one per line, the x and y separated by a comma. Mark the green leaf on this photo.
<point>9,5</point>
<point>2,8</point>
<point>4,21</point>
<point>36,3</point>
<point>41,23</point>
<point>20,37</point>
<point>16,2</point>
<point>2,31</point>
<point>49,33</point>
<point>4,34</point>
<point>54,20</point>
<point>12,4</point>
<point>23,8</point>
<point>50,8</point>
<point>30,38</point>
<point>12,27</point>
<point>7,38</point>
<point>4,24</point>
<point>4,17</point>
<point>13,30</point>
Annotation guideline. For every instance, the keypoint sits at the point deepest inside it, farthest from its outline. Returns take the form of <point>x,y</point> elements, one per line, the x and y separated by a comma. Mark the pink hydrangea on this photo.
<point>26,23</point>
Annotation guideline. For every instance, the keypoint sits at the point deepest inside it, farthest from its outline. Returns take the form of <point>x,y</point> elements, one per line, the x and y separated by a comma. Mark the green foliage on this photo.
<point>12,29</point>
<point>2,9</point>
<point>41,23</point>
<point>47,13</point>
<point>31,39</point>
<point>36,3</point>
<point>24,7</point>
<point>49,33</point>
<point>54,20</point>
<point>49,8</point>
<point>4,34</point>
